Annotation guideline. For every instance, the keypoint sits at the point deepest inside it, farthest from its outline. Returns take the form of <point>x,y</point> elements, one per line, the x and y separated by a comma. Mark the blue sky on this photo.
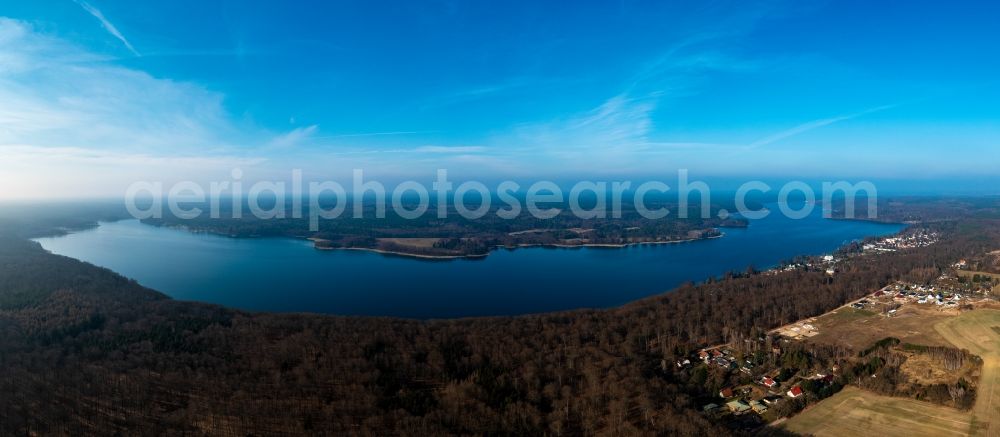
<point>97,94</point>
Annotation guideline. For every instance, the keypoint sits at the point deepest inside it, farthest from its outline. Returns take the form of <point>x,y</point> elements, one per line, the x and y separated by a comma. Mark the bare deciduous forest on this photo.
<point>86,351</point>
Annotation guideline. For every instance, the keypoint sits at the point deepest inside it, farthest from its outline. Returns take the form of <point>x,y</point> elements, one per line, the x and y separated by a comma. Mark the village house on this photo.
<point>795,392</point>
<point>771,400</point>
<point>726,393</point>
<point>738,406</point>
<point>825,378</point>
<point>768,382</point>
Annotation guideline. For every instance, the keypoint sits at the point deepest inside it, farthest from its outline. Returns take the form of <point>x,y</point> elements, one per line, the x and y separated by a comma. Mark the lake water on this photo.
<point>288,275</point>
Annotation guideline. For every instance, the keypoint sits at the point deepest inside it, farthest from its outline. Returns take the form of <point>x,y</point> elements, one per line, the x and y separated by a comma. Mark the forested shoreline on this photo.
<point>86,351</point>
<point>455,236</point>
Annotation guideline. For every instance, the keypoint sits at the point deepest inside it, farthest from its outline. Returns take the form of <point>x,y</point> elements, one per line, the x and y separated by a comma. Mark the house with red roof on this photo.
<point>795,392</point>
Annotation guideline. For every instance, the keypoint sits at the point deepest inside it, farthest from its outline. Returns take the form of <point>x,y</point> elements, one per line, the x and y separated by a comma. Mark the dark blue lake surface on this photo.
<point>288,275</point>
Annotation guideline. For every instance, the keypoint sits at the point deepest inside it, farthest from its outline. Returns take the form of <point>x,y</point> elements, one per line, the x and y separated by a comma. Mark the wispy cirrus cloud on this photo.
<point>303,135</point>
<point>107,25</point>
<point>617,124</point>
<point>67,115</point>
<point>378,134</point>
<point>815,124</point>
<point>450,149</point>
<point>295,137</point>
<point>57,94</point>
<point>70,116</point>
<point>620,131</point>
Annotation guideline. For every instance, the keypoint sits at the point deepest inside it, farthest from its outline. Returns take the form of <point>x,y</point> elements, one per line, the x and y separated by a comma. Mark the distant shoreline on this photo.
<point>876,221</point>
<point>519,246</point>
<point>392,252</point>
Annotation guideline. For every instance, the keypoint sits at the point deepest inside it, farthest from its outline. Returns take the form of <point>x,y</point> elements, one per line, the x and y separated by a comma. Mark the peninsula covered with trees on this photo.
<point>455,236</point>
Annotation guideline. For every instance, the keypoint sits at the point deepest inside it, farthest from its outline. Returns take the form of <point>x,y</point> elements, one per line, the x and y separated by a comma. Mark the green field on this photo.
<point>856,412</point>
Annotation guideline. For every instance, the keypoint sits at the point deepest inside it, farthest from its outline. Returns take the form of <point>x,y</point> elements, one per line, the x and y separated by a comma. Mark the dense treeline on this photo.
<point>30,276</point>
<point>920,209</point>
<point>85,351</point>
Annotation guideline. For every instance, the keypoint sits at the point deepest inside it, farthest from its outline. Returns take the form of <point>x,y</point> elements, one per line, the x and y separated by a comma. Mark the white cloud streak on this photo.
<point>107,25</point>
<point>295,137</point>
<point>450,149</point>
<point>378,134</point>
<point>815,124</point>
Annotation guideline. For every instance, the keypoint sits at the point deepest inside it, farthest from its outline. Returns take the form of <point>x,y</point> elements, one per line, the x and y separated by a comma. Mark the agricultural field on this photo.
<point>979,332</point>
<point>858,328</point>
<point>423,243</point>
<point>856,412</point>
